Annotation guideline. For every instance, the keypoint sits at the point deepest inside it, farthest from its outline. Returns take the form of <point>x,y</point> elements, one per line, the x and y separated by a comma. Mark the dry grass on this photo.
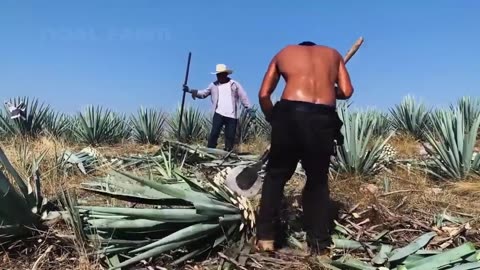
<point>257,146</point>
<point>54,249</point>
<point>467,188</point>
<point>126,149</point>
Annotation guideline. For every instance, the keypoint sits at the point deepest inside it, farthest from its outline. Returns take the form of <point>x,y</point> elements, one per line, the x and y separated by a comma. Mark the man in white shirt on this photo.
<point>225,94</point>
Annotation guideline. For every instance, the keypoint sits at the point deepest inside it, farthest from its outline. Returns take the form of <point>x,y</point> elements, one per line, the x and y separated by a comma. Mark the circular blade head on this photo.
<point>244,181</point>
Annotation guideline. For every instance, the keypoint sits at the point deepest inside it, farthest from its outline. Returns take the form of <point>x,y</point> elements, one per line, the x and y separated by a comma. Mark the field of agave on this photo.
<point>169,207</point>
<point>99,126</point>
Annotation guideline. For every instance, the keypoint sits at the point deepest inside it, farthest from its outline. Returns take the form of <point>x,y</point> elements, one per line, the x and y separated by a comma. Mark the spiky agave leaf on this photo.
<point>97,126</point>
<point>36,117</point>
<point>58,124</point>
<point>193,215</point>
<point>193,125</point>
<point>410,117</point>
<point>470,109</point>
<point>4,130</point>
<point>452,145</point>
<point>245,127</point>
<point>360,153</point>
<point>148,126</point>
<point>124,130</point>
<point>21,212</point>
<point>262,127</point>
<point>382,119</point>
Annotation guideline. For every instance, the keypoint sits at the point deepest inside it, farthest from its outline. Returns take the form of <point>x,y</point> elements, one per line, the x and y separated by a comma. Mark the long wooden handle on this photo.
<point>353,49</point>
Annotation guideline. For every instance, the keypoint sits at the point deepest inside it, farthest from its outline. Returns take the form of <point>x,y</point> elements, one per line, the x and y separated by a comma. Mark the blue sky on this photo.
<point>126,54</point>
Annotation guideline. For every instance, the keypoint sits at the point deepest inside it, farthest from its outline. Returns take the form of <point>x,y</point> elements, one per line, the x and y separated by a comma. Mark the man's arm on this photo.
<point>242,95</point>
<point>270,81</point>
<point>201,94</point>
<point>344,88</point>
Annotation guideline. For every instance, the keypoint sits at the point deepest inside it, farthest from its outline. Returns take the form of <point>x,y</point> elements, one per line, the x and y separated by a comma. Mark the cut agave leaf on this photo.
<point>151,253</point>
<point>351,263</point>
<point>212,217</point>
<point>413,257</point>
<point>382,255</point>
<point>428,252</point>
<point>166,215</point>
<point>474,257</point>
<point>182,235</point>
<point>445,258</point>
<point>349,244</point>
<point>123,224</point>
<point>187,195</point>
<point>411,248</point>
<point>466,266</point>
<point>326,264</point>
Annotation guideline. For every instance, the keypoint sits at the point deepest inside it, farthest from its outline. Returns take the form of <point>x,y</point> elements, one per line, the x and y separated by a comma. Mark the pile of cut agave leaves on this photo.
<point>423,252</point>
<point>187,213</point>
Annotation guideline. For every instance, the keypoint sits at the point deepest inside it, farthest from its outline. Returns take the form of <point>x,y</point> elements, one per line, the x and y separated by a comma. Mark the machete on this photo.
<point>245,180</point>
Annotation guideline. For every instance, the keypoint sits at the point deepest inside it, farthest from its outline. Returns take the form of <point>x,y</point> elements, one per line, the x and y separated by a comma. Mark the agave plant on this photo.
<point>193,125</point>
<point>3,131</point>
<point>207,126</point>
<point>382,121</point>
<point>262,127</point>
<point>452,143</point>
<point>245,127</point>
<point>97,126</point>
<point>148,126</point>
<point>58,124</point>
<point>124,130</point>
<point>360,153</point>
<point>36,116</point>
<point>470,108</point>
<point>23,210</point>
<point>410,117</point>
<point>190,215</point>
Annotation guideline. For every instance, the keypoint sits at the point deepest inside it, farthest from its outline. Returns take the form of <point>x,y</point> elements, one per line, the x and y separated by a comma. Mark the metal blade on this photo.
<point>244,180</point>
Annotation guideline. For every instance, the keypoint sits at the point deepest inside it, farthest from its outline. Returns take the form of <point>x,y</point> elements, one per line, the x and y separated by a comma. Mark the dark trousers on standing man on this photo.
<point>300,132</point>
<point>230,125</point>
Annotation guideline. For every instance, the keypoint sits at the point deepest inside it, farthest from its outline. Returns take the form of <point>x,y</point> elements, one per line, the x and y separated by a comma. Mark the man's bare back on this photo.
<point>310,74</point>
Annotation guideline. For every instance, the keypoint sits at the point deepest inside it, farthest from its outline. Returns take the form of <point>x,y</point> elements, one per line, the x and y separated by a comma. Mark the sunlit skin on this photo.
<point>310,74</point>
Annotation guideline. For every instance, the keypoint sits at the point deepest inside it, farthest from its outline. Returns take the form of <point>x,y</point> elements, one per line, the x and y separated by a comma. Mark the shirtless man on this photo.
<point>305,126</point>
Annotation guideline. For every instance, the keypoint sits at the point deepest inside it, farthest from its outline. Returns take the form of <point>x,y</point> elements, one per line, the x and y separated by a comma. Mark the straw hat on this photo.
<point>220,68</point>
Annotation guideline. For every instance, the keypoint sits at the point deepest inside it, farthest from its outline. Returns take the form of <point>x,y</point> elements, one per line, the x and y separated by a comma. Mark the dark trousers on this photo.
<point>300,132</point>
<point>230,125</point>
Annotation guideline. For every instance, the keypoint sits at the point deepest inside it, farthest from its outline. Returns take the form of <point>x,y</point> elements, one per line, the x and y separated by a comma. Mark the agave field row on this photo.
<point>100,126</point>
